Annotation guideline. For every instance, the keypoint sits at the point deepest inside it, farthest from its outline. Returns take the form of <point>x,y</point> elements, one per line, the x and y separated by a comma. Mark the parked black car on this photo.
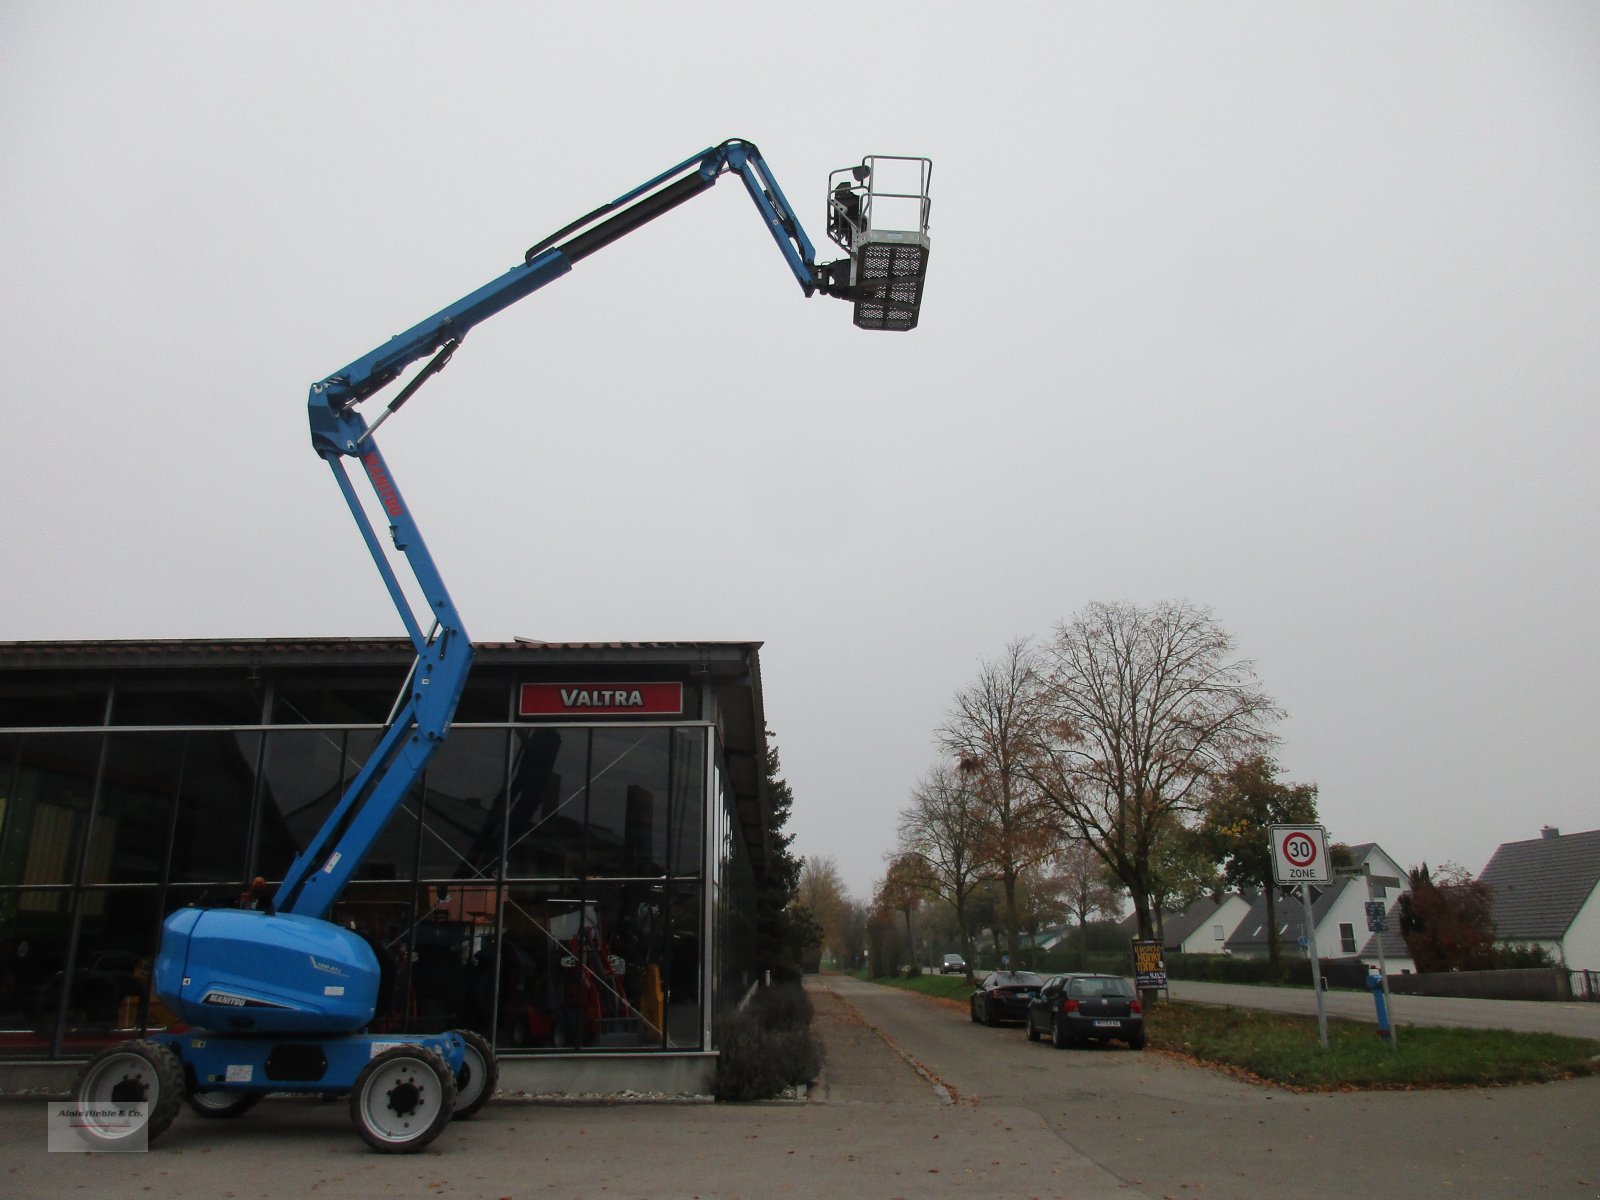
<point>1004,996</point>
<point>1079,1008</point>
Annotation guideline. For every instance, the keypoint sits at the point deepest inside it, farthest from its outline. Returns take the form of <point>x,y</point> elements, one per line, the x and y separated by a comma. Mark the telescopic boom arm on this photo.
<point>338,431</point>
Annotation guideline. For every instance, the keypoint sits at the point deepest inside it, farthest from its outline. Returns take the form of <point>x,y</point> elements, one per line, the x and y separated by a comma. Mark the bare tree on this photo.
<point>1141,707</point>
<point>945,826</point>
<point>822,892</point>
<point>904,886</point>
<point>993,732</point>
<point>1087,891</point>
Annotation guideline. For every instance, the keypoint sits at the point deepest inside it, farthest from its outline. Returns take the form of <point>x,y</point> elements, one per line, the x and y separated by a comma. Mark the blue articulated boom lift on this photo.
<point>276,997</point>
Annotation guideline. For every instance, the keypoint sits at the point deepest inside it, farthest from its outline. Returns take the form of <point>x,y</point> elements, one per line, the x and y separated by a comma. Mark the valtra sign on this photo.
<point>600,700</point>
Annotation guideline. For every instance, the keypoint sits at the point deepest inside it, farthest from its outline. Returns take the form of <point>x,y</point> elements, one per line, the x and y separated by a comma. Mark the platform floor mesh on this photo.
<point>889,277</point>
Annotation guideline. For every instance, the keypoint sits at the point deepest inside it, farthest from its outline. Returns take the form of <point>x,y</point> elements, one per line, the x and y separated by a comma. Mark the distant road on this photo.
<point>1575,1019</point>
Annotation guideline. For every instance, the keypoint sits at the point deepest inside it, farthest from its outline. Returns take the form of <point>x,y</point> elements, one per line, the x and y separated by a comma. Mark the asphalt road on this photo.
<point>915,1101</point>
<point>1575,1019</point>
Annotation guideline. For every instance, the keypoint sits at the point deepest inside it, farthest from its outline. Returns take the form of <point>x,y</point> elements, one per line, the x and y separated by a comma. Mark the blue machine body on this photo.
<point>236,971</point>
<point>327,1065</point>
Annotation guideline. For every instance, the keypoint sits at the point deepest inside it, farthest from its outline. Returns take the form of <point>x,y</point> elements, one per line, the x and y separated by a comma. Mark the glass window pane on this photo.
<point>449,955</point>
<point>133,822</point>
<point>548,768</point>
<point>35,928</point>
<point>41,704</point>
<point>47,807</point>
<point>117,939</point>
<point>344,699</point>
<point>305,774</point>
<point>463,812</point>
<point>599,967</point>
<point>195,700</point>
<point>686,804</point>
<point>213,819</point>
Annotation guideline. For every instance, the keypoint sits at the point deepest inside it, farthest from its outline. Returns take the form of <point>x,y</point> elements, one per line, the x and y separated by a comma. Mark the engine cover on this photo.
<point>235,971</point>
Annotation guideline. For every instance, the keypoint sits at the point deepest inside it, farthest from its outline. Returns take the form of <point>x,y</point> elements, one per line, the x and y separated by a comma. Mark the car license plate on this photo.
<point>1108,1024</point>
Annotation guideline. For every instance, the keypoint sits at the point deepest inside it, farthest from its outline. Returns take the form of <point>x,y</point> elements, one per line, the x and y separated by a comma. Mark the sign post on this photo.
<point>1300,855</point>
<point>1378,924</point>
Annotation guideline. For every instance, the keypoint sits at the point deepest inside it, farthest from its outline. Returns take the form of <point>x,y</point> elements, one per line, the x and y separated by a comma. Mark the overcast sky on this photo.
<point>1287,310</point>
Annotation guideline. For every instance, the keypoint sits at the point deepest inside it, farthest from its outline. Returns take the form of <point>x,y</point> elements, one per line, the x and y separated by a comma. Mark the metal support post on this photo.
<point>1316,966</point>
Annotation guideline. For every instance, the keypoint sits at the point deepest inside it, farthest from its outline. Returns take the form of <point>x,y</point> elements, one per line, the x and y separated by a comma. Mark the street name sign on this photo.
<point>1299,853</point>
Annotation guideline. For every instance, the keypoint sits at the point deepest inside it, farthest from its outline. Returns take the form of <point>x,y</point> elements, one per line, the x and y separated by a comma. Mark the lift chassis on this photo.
<point>272,995</point>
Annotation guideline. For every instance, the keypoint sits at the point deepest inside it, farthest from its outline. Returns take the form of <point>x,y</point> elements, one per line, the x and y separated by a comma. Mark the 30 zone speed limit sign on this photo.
<point>1299,853</point>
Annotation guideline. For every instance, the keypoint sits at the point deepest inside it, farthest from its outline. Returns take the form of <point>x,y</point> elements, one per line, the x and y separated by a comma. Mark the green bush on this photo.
<point>767,1045</point>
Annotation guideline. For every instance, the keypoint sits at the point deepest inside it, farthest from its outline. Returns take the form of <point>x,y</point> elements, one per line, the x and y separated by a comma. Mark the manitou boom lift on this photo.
<point>279,999</point>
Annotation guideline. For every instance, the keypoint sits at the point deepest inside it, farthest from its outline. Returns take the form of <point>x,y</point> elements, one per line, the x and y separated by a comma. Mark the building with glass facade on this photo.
<point>573,876</point>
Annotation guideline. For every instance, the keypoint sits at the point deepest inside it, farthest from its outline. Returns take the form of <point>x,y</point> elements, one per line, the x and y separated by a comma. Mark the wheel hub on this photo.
<point>405,1098</point>
<point>130,1089</point>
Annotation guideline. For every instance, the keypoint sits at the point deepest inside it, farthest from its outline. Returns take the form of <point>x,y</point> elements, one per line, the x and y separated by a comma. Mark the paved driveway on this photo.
<point>1161,1128</point>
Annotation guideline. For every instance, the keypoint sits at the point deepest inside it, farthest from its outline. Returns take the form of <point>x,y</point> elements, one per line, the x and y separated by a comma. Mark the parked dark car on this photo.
<point>953,964</point>
<point>1081,1008</point>
<point>1004,996</point>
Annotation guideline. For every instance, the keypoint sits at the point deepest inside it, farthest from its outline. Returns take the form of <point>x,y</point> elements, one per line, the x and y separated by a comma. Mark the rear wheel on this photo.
<point>137,1072</point>
<point>477,1077</point>
<point>1033,1034</point>
<point>1058,1037</point>
<point>218,1105</point>
<point>1136,1042</point>
<point>402,1099</point>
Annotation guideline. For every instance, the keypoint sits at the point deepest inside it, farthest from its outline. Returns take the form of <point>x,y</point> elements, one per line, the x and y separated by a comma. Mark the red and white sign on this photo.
<point>1299,853</point>
<point>600,700</point>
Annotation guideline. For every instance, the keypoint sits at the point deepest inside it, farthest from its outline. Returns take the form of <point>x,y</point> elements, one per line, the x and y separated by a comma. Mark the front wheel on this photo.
<point>402,1099</point>
<point>477,1077</point>
<point>137,1072</point>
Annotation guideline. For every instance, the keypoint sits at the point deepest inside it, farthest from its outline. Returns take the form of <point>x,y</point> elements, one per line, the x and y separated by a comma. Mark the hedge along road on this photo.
<point>1166,1128</point>
<point>1577,1018</point>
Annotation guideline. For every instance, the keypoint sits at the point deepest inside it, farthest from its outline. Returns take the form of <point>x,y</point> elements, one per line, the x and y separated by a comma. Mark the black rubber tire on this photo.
<point>989,1018</point>
<point>1058,1039</point>
<point>403,1099</point>
<point>1033,1034</point>
<point>220,1105</point>
<point>972,1009</point>
<point>1136,1043</point>
<point>131,1072</point>
<point>475,1082</point>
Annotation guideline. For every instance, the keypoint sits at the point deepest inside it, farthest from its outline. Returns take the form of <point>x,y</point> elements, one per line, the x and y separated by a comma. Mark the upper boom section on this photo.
<point>332,429</point>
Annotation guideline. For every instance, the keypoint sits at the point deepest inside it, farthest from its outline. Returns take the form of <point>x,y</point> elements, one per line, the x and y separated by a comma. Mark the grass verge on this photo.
<point>1284,1049</point>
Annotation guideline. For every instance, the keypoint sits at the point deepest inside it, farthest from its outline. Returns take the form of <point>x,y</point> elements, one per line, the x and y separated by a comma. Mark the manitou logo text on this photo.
<point>387,496</point>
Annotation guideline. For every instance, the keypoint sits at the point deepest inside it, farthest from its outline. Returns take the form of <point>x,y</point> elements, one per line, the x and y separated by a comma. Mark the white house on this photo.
<point>1547,893</point>
<point>1202,928</point>
<point>1338,913</point>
